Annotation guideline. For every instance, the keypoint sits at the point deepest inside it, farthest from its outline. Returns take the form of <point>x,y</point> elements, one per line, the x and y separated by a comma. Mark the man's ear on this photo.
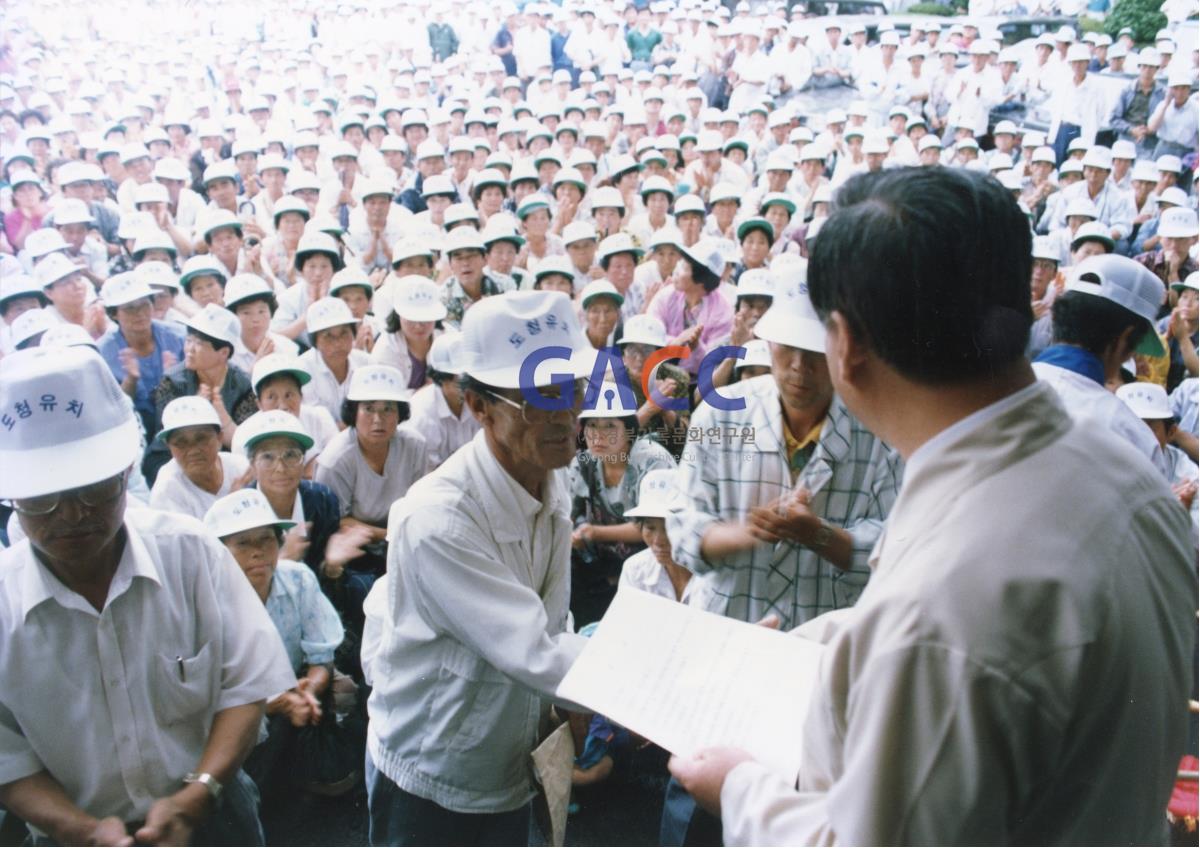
<point>844,351</point>
<point>479,407</point>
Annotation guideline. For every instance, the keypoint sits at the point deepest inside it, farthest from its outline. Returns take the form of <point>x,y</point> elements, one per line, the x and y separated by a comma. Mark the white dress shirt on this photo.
<point>116,705</point>
<point>174,492</point>
<point>443,431</point>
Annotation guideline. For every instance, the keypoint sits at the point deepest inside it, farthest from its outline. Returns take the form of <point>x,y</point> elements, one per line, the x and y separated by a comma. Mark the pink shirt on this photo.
<point>713,312</point>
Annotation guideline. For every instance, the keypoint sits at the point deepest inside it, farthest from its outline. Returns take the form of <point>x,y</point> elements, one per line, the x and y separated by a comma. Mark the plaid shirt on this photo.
<point>457,301</point>
<point>853,479</point>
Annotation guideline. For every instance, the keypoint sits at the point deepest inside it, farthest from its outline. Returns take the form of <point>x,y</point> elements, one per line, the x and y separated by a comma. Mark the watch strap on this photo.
<point>210,783</point>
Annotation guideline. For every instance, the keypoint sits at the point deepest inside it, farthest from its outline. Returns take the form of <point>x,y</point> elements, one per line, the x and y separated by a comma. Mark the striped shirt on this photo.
<point>852,477</point>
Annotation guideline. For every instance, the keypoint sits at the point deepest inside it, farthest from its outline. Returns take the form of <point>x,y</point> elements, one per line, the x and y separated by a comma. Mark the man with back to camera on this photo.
<point>1031,614</point>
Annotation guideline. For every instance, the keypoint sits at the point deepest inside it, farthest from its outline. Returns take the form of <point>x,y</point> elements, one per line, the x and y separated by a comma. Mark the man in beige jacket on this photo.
<point>1017,669</point>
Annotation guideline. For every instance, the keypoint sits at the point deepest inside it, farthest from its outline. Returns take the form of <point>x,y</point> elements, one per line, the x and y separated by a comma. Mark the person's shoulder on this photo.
<point>423,400</point>
<point>163,529</point>
<point>295,577</point>
<point>645,450</point>
<point>359,357</point>
<point>338,447</point>
<point>410,440</point>
<point>237,463</point>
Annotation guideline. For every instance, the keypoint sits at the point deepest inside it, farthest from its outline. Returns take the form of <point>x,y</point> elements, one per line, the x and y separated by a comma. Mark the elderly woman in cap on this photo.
<point>756,236</point>
<point>333,357</point>
<point>276,444</point>
<point>354,288</point>
<point>601,305</point>
<point>502,244</point>
<point>138,349</point>
<point>207,373</point>
<point>199,471</point>
<point>604,482</point>
<point>306,622</point>
<point>692,310</point>
<point>278,381</point>
<point>252,300</point>
<point>409,331</point>
<point>279,250</point>
<point>533,212</point>
<point>370,465</point>
<point>754,293</point>
<point>203,280</point>
<point>317,259</point>
<point>642,336</point>
<point>29,209</point>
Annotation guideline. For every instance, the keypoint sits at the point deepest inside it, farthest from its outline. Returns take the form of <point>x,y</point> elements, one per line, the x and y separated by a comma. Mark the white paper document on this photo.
<point>688,679</point>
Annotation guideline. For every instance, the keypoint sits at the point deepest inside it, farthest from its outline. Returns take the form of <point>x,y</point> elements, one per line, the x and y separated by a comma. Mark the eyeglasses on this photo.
<point>289,458</point>
<point>92,496</point>
<point>531,414</point>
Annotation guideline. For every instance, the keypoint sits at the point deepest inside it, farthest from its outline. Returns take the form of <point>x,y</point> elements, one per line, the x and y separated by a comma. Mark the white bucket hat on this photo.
<point>644,329</point>
<point>1178,222</point>
<point>655,495</point>
<point>791,320</point>
<point>1126,283</point>
<point>157,273</point>
<point>217,322</point>
<point>273,422</point>
<point>378,382</point>
<point>53,268</point>
<point>80,428</point>
<point>122,289</point>
<point>416,298</point>
<point>246,509</point>
<point>1146,400</point>
<point>501,332</point>
<point>30,323</point>
<point>189,411</point>
<point>328,312</point>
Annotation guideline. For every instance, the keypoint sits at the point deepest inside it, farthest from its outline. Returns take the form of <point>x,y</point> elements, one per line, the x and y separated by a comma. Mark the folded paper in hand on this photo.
<point>688,679</point>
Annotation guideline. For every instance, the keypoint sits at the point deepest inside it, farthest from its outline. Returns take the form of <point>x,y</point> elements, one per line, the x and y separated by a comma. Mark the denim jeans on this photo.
<point>683,823</point>
<point>401,818</point>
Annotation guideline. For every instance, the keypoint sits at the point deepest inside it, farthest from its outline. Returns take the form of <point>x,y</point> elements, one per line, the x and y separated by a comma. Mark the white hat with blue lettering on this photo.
<point>791,319</point>
<point>378,382</point>
<point>246,509</point>
<point>655,495</point>
<point>416,298</point>
<point>64,422</point>
<point>529,338</point>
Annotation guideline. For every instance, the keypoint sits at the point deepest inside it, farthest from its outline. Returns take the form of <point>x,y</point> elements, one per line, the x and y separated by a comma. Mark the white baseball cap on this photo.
<point>655,495</point>
<point>278,363</point>
<point>501,332</point>
<point>791,319</point>
<point>328,312</point>
<point>758,353</point>
<point>217,322</point>
<point>80,428</point>
<point>378,382</point>
<point>578,231</point>
<point>416,298</point>
<point>446,353</point>
<point>1126,283</point>
<point>1147,401</point>
<point>188,411</point>
<point>43,242</point>
<point>245,509</point>
<point>705,255</point>
<point>644,329</point>
<point>609,403</point>
<point>268,423</point>
<point>31,323</point>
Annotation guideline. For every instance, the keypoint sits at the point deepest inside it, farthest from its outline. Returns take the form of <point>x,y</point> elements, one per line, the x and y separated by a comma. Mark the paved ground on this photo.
<point>625,811</point>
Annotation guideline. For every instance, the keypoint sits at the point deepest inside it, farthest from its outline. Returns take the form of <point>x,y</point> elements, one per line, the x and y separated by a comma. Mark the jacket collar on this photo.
<point>501,496</point>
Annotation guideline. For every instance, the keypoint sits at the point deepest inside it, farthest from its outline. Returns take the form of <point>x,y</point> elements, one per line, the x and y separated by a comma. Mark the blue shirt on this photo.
<point>306,621</point>
<point>168,337</point>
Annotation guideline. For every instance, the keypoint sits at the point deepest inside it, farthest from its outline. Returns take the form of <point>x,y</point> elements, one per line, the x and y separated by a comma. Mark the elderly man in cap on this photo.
<point>159,726</point>
<point>1033,598</point>
<point>469,282</point>
<point>479,635</point>
<point>1114,207</point>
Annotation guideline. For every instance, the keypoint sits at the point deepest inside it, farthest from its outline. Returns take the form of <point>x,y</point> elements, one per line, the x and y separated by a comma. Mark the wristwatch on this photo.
<point>822,537</point>
<point>210,783</point>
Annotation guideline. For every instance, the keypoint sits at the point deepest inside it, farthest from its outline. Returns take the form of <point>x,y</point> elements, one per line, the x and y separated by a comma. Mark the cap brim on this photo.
<point>579,365</point>
<point>32,472</point>
<point>791,330</point>
<point>304,439</point>
<point>432,312</point>
<point>1151,343</point>
<point>647,512</point>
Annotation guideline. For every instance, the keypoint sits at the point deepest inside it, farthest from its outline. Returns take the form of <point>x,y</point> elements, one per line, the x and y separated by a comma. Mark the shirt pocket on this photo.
<point>473,702</point>
<point>184,685</point>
